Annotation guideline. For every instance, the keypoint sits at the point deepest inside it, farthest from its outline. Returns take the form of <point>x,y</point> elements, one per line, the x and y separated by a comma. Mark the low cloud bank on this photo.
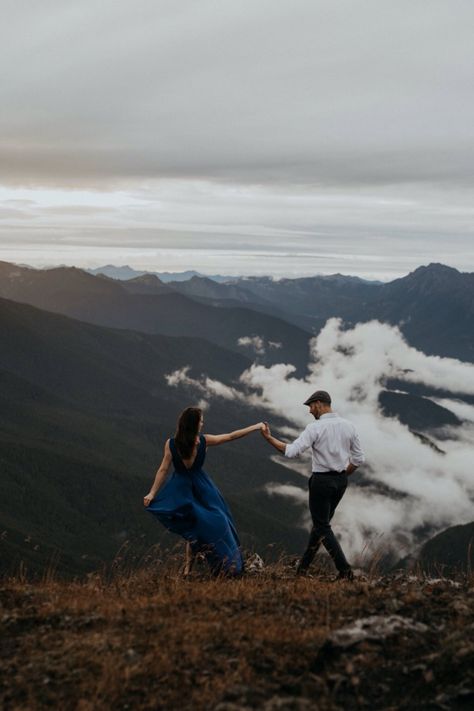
<point>410,490</point>
<point>207,387</point>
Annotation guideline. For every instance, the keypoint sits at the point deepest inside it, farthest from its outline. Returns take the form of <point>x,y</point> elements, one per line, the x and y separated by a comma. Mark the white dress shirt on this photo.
<point>334,443</point>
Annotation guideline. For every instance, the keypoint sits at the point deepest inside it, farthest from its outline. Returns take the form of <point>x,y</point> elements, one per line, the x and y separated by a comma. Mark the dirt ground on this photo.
<point>152,640</point>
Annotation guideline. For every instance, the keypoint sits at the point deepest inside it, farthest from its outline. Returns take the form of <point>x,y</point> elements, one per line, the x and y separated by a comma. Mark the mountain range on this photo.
<point>433,306</point>
<point>126,272</point>
<point>145,304</point>
<point>85,406</point>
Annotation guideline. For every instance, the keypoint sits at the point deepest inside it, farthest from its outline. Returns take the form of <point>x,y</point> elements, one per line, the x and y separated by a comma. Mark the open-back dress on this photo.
<point>191,505</point>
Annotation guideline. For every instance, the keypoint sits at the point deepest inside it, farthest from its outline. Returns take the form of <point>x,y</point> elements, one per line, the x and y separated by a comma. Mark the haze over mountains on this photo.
<point>126,272</point>
<point>433,306</point>
<point>86,403</point>
<point>150,308</point>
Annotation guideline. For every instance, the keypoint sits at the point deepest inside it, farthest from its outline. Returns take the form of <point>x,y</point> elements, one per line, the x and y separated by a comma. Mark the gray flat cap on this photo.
<point>320,395</point>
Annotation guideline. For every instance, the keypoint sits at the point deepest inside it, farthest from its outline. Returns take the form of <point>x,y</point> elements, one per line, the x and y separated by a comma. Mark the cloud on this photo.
<point>291,137</point>
<point>306,90</point>
<point>206,386</point>
<point>411,486</point>
<point>354,364</point>
<point>256,343</point>
<point>287,230</point>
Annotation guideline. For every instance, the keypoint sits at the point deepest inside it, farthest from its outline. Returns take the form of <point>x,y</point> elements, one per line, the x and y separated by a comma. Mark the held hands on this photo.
<point>148,499</point>
<point>265,430</point>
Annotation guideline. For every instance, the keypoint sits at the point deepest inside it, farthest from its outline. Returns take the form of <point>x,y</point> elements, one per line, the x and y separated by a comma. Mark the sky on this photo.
<point>284,137</point>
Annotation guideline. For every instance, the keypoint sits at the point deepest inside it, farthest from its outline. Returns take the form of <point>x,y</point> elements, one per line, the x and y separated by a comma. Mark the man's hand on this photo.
<point>266,430</point>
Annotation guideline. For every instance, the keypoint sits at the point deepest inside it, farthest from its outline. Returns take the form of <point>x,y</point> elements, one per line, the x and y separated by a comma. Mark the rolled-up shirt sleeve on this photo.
<point>357,454</point>
<point>301,444</point>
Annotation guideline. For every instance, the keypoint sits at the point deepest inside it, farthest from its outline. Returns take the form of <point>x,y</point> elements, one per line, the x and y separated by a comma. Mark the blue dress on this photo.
<point>191,505</point>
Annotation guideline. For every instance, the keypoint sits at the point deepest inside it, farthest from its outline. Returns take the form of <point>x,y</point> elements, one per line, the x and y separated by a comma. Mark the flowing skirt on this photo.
<point>191,505</point>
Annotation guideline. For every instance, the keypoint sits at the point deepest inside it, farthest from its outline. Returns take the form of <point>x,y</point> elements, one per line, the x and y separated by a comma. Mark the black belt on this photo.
<point>330,472</point>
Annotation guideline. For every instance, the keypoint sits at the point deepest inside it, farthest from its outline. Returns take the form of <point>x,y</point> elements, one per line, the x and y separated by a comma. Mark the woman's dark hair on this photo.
<point>187,431</point>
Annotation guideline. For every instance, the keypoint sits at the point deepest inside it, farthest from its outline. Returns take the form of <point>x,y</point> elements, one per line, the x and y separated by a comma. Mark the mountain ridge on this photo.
<point>106,302</point>
<point>433,306</point>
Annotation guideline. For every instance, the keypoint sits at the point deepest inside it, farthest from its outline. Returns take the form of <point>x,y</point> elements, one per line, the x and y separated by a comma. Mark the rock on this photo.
<point>375,627</point>
<point>446,582</point>
<point>254,564</point>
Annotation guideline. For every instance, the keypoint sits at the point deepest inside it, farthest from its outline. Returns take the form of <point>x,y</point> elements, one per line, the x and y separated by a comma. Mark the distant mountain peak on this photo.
<point>121,273</point>
<point>436,268</point>
<point>200,279</point>
<point>431,276</point>
<point>147,279</point>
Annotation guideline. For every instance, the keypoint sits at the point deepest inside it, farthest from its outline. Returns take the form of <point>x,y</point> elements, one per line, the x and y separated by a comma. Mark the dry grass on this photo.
<point>149,640</point>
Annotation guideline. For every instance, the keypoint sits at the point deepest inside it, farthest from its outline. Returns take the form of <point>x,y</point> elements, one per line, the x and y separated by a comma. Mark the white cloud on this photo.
<point>206,386</point>
<point>236,229</point>
<point>256,343</point>
<point>425,488</point>
<point>179,377</point>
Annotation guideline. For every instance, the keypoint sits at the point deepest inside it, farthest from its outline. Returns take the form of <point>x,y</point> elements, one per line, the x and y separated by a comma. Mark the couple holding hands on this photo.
<point>189,504</point>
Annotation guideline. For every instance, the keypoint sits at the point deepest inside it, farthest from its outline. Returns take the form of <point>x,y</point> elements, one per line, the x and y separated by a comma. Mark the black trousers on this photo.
<point>325,492</point>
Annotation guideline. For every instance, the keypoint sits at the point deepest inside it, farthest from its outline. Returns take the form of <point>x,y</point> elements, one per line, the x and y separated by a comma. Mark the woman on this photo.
<point>189,503</point>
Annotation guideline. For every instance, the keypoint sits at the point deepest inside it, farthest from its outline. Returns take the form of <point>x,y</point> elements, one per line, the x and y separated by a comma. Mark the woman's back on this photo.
<point>194,462</point>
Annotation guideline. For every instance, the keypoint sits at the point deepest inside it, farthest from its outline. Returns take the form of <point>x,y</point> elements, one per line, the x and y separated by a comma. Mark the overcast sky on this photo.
<point>259,136</point>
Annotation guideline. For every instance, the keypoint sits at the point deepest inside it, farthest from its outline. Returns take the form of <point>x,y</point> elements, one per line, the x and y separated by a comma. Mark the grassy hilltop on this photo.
<point>150,640</point>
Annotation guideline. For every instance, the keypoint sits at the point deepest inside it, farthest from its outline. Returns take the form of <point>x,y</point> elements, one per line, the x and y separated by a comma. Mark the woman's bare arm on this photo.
<point>214,440</point>
<point>160,476</point>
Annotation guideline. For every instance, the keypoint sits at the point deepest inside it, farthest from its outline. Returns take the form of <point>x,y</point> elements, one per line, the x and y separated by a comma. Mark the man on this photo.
<point>336,453</point>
